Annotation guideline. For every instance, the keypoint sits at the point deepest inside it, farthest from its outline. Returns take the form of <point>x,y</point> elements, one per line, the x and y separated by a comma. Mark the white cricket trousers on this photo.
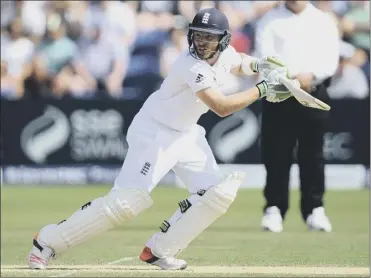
<point>155,149</point>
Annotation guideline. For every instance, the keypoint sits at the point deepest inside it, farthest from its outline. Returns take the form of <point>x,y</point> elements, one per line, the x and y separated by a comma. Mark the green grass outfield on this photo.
<point>233,246</point>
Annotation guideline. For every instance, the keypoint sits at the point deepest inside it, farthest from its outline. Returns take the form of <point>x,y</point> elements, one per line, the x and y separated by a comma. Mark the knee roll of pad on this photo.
<point>124,204</point>
<point>202,212</point>
<point>222,195</point>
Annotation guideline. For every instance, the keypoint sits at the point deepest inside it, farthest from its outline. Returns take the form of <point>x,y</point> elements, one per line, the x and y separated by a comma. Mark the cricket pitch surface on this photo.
<point>191,271</point>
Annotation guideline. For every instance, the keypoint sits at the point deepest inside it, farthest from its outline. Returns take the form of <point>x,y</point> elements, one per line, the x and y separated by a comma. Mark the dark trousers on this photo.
<point>285,125</point>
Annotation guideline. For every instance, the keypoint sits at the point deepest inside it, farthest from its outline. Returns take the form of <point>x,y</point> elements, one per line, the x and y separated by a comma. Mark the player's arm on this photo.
<point>202,82</point>
<point>241,63</point>
<point>250,65</point>
<point>245,66</point>
<point>225,105</point>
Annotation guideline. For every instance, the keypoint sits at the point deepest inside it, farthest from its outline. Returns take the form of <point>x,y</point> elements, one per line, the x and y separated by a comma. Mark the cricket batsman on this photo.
<point>164,136</point>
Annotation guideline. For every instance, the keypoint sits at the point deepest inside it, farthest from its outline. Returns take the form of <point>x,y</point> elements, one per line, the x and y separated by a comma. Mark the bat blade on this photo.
<point>303,97</point>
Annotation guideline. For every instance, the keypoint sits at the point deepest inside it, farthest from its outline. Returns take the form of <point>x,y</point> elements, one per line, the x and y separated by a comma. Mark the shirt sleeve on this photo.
<point>233,57</point>
<point>200,77</point>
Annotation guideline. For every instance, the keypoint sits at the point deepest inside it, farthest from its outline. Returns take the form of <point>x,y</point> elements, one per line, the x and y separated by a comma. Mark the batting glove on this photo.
<point>266,65</point>
<point>272,89</point>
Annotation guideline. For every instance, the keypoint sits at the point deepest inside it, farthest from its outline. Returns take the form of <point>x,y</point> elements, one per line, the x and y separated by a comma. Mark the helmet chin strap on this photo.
<point>212,56</point>
<point>194,50</point>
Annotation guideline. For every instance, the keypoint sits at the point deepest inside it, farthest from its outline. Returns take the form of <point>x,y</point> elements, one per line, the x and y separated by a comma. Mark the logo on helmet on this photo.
<point>205,18</point>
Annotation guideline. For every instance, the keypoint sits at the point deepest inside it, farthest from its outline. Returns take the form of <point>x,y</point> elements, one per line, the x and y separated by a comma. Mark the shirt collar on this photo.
<point>307,9</point>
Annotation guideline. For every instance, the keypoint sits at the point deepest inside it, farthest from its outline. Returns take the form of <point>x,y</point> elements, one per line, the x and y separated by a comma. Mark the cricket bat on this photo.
<point>302,96</point>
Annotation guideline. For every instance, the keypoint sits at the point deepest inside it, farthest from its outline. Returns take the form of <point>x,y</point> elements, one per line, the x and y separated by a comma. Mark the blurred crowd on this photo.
<point>124,49</point>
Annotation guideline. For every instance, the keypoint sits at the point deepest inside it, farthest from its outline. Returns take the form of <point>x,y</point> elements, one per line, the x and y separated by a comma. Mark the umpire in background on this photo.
<point>306,40</point>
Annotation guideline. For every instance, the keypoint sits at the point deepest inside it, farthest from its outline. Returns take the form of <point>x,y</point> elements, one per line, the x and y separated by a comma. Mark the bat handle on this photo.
<point>282,80</point>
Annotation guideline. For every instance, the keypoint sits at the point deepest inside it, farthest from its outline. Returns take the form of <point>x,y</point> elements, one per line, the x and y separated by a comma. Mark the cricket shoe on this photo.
<point>319,221</point>
<point>39,255</point>
<point>272,220</point>
<point>167,263</point>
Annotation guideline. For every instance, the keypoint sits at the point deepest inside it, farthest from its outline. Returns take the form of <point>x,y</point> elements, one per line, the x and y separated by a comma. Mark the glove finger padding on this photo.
<point>278,97</point>
<point>284,96</point>
<point>276,92</point>
<point>271,84</point>
<point>273,77</point>
<point>273,97</point>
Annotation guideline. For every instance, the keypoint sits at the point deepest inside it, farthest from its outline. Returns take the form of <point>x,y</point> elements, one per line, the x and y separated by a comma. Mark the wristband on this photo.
<point>262,87</point>
<point>249,65</point>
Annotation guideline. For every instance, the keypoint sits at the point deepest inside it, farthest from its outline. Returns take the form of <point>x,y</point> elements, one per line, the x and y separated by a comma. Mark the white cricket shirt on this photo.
<point>176,104</point>
<point>304,42</point>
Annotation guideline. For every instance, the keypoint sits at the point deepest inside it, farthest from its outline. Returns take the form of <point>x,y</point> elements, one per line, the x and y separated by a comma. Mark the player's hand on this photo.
<point>272,89</point>
<point>266,65</point>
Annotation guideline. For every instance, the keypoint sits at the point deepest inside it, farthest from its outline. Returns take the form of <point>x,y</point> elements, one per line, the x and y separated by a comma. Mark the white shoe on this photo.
<point>272,220</point>
<point>168,263</point>
<point>319,221</point>
<point>40,255</point>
